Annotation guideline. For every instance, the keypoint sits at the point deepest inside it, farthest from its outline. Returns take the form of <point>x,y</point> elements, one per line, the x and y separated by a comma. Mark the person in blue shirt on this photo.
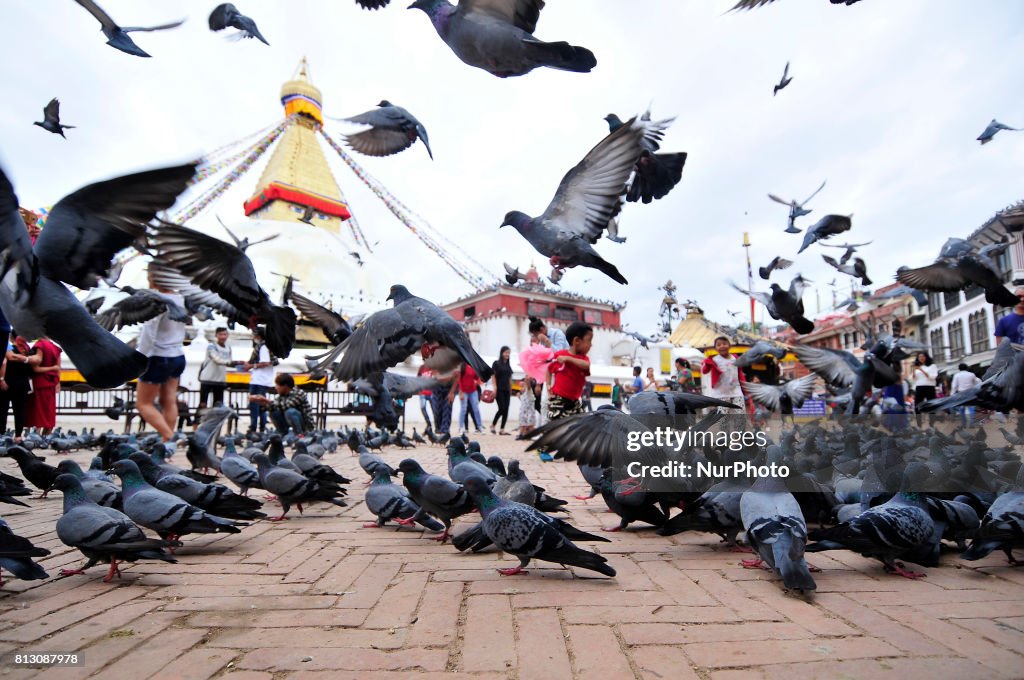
<point>553,338</point>
<point>638,383</point>
<point>1012,325</point>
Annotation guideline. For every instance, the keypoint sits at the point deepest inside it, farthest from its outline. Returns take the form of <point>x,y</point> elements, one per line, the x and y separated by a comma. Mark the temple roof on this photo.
<point>700,332</point>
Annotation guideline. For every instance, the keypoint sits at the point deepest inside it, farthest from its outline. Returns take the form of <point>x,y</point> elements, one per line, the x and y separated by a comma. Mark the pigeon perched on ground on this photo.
<point>226,271</point>
<point>778,262</point>
<point>11,488</point>
<point>587,199</point>
<point>99,491</point>
<point>497,36</point>
<point>898,528</point>
<point>389,336</point>
<point>51,119</point>
<point>784,81</point>
<point>102,534</point>
<point>785,305</point>
<point>655,174</point>
<point>164,513</point>
<point>140,306</point>
<point>16,555</point>
<point>392,129</point>
<point>858,270</point>
<point>992,129</point>
<point>202,444</point>
<point>239,470</point>
<point>388,501</point>
<point>796,209</point>
<point>442,498</point>
<point>827,227</point>
<point>40,474</point>
<point>1002,527</point>
<point>117,37</point>
<point>959,266</point>
<point>776,529</point>
<point>528,533</point>
<point>84,231</point>
<point>227,15</point>
<point>293,488</point>
<point>215,499</point>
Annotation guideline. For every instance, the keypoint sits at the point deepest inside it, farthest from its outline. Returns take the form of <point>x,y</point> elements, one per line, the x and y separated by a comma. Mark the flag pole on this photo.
<point>750,280</point>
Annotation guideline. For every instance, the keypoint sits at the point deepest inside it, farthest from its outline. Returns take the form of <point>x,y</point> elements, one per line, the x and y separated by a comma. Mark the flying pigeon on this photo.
<point>784,81</point>
<point>587,199</point>
<point>227,15</point>
<point>758,351</point>
<point>226,271</point>
<point>51,119</point>
<point>117,37</point>
<point>84,231</point>
<point>642,339</point>
<point>858,270</point>
<point>750,4</point>
<point>512,274</point>
<point>497,36</point>
<point>992,129</point>
<point>827,227</point>
<point>848,249</point>
<point>528,534</point>
<point>372,4</point>
<point>334,325</point>
<point>655,174</point>
<point>244,243</point>
<point>839,368</point>
<point>776,529</point>
<point>102,534</point>
<point>782,398</point>
<point>307,215</point>
<point>140,306</point>
<point>778,262</point>
<point>16,555</point>
<point>613,233</point>
<point>796,208</point>
<point>389,336</point>
<point>392,129</point>
<point>958,267</point>
<point>442,498</point>
<point>785,305</point>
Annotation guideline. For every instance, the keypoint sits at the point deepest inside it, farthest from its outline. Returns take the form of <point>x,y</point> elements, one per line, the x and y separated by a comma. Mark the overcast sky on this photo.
<point>887,99</point>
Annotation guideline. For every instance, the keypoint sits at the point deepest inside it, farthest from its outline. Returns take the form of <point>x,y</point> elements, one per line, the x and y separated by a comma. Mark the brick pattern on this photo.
<point>320,597</point>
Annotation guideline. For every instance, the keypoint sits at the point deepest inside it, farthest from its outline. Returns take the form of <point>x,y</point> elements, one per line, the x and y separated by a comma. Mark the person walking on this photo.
<point>924,377</point>
<point>962,381</point>
<point>261,379</point>
<point>16,383</point>
<point>441,400</point>
<point>469,398</point>
<point>162,340</point>
<point>502,369</point>
<point>588,394</point>
<point>213,373</point>
<point>424,396</point>
<point>617,391</point>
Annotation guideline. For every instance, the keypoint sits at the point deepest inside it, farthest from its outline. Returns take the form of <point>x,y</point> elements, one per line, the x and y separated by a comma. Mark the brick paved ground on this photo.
<point>319,597</point>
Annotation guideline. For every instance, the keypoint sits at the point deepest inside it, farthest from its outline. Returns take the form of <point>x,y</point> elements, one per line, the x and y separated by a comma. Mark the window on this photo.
<point>566,313</point>
<point>1004,266</point>
<point>593,316</point>
<point>469,312</point>
<point>977,327</point>
<point>956,339</point>
<point>538,309</point>
<point>934,305</point>
<point>951,300</point>
<point>938,351</point>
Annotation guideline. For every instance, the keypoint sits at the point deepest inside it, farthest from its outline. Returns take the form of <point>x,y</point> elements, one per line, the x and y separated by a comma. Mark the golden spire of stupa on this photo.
<point>297,180</point>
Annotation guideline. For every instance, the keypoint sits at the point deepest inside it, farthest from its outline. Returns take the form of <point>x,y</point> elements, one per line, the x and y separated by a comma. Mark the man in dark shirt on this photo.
<point>291,407</point>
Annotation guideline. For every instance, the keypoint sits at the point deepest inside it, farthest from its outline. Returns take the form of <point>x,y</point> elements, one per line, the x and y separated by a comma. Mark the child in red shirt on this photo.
<point>568,371</point>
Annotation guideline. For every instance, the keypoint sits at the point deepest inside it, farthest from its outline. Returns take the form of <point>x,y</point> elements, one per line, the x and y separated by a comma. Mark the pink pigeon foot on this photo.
<point>513,571</point>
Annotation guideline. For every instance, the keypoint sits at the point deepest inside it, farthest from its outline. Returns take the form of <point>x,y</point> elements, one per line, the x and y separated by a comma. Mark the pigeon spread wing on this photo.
<point>590,194</point>
<point>52,111</point>
<point>140,306</point>
<point>600,438</point>
<point>835,366</point>
<point>938,277</point>
<point>329,321</point>
<point>385,339</point>
<point>522,13</point>
<point>87,228</point>
<point>15,247</point>
<point>211,264</point>
<point>379,141</point>
<point>167,277</point>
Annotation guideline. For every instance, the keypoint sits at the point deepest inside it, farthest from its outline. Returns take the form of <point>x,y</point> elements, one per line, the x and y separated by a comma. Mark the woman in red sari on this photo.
<point>42,406</point>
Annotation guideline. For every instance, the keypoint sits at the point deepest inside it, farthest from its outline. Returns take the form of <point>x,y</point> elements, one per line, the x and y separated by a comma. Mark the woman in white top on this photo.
<point>651,384</point>
<point>924,376</point>
<point>162,340</point>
